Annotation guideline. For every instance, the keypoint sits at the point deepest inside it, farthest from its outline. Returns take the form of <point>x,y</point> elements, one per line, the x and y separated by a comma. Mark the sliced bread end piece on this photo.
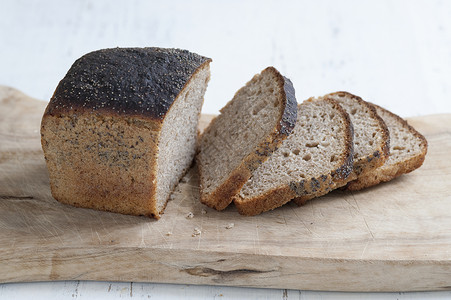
<point>408,150</point>
<point>248,130</point>
<point>316,154</point>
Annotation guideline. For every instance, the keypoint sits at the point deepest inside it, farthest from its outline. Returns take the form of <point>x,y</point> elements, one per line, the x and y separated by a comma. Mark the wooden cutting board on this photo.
<point>392,237</point>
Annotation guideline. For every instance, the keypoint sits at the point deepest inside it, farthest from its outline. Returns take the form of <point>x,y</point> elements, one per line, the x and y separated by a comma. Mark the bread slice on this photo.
<point>408,150</point>
<point>121,128</point>
<point>314,158</point>
<point>245,133</point>
<point>371,138</point>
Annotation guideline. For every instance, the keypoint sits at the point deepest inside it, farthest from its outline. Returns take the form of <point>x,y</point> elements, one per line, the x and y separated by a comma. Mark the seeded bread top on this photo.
<point>140,82</point>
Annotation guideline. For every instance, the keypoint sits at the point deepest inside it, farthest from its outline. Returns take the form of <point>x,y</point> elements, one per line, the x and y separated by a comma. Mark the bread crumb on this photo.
<point>203,211</point>
<point>196,232</point>
<point>230,226</point>
<point>190,215</point>
<point>169,233</point>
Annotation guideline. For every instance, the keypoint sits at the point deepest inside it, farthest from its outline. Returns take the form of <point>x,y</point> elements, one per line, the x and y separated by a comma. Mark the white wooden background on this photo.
<point>394,53</point>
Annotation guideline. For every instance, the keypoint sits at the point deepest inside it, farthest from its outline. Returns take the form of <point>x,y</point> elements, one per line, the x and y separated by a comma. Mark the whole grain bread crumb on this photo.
<point>169,233</point>
<point>190,215</point>
<point>196,232</point>
<point>230,226</point>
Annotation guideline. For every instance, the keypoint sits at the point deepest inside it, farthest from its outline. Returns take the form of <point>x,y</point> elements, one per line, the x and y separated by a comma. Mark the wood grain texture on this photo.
<point>392,237</point>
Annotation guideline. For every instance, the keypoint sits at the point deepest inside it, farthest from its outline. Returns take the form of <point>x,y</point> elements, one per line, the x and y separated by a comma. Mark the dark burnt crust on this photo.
<point>141,82</point>
<point>290,113</point>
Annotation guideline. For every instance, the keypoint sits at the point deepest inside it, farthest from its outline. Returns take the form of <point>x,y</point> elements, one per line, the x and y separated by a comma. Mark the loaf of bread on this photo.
<point>316,157</point>
<point>121,128</point>
<point>247,131</point>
